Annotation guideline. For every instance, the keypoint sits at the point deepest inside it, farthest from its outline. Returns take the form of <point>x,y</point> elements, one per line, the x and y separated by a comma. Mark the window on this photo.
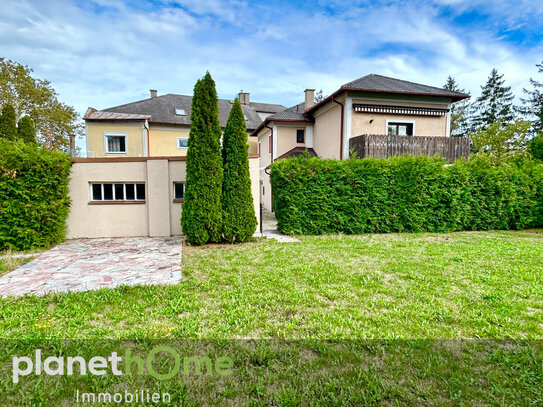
<point>182,143</point>
<point>300,136</point>
<point>180,112</point>
<point>400,129</point>
<point>245,117</point>
<point>116,143</point>
<point>270,144</point>
<point>118,192</point>
<point>178,190</point>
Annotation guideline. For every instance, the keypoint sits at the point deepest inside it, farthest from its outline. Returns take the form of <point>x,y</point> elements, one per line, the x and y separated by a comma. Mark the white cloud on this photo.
<point>113,55</point>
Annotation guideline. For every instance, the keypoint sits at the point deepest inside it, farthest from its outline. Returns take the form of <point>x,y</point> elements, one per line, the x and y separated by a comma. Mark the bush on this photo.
<point>34,201</point>
<point>239,221</point>
<point>536,147</point>
<point>404,194</point>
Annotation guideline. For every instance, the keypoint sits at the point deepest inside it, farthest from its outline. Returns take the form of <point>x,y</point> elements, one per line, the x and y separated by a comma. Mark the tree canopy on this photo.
<point>53,120</point>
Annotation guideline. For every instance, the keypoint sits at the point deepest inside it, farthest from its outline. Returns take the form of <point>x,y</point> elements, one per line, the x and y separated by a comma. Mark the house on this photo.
<point>159,125</point>
<point>132,181</point>
<point>372,104</point>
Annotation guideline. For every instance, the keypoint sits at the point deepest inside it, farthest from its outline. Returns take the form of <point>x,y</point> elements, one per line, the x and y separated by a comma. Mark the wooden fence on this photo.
<point>383,146</point>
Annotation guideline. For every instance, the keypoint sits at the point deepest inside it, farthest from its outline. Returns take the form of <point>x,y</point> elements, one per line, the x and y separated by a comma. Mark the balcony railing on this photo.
<point>384,146</point>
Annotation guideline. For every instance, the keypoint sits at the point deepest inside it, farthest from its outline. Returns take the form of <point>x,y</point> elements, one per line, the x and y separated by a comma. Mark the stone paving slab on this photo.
<point>269,228</point>
<point>91,264</point>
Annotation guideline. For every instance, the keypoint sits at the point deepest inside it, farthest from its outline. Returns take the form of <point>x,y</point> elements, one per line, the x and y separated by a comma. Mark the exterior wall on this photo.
<point>326,130</point>
<point>177,173</point>
<point>432,126</point>
<point>111,220</point>
<point>286,137</point>
<point>158,215</point>
<point>265,191</point>
<point>96,131</point>
<point>163,141</point>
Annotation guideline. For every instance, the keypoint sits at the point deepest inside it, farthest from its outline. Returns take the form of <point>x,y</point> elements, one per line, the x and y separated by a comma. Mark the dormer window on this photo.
<point>245,117</point>
<point>180,112</point>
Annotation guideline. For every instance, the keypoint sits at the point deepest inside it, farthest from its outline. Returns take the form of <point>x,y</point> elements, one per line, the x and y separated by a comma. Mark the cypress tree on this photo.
<point>25,130</point>
<point>495,103</point>
<point>239,220</point>
<point>201,217</point>
<point>8,123</point>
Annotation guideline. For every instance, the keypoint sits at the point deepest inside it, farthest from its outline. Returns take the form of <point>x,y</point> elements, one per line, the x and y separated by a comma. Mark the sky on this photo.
<point>103,53</point>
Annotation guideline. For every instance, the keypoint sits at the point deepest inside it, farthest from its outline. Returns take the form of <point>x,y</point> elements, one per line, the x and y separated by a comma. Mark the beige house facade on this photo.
<point>132,196</point>
<point>132,181</point>
<point>373,104</point>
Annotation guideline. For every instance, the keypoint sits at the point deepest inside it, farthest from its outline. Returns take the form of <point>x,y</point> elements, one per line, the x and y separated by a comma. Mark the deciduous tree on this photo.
<point>53,120</point>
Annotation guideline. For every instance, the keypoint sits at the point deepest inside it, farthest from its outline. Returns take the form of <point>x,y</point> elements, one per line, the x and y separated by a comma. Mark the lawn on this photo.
<point>396,319</point>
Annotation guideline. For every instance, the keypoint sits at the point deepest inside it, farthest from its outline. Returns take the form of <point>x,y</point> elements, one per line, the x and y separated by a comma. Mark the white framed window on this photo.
<point>180,112</point>
<point>400,128</point>
<point>182,143</point>
<point>115,143</point>
<point>300,136</point>
<point>118,191</point>
<point>178,190</point>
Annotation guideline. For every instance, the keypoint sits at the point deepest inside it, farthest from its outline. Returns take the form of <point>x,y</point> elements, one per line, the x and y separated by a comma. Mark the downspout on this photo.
<point>146,125</point>
<point>341,128</point>
<point>267,170</point>
<point>271,134</point>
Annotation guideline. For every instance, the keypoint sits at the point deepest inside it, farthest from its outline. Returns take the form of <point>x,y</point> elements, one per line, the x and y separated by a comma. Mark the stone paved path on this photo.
<point>90,264</point>
<point>269,228</point>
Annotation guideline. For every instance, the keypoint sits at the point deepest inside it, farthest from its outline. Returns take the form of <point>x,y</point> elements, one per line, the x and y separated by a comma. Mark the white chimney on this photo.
<point>153,93</point>
<point>309,98</point>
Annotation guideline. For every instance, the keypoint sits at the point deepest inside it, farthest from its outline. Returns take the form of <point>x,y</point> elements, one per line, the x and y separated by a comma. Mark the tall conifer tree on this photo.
<point>495,103</point>
<point>533,102</point>
<point>8,123</point>
<point>459,110</point>
<point>25,130</point>
<point>201,217</point>
<point>239,221</point>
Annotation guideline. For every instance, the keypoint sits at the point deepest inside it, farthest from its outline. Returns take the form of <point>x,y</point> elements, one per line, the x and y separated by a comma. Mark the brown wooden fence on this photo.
<point>383,146</point>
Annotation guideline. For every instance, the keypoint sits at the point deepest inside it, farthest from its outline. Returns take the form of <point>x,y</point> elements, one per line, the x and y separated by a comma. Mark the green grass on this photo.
<point>8,263</point>
<point>364,319</point>
<point>460,285</point>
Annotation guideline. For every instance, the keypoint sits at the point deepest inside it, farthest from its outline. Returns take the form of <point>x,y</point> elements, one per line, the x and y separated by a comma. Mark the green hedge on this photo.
<point>404,194</point>
<point>34,199</point>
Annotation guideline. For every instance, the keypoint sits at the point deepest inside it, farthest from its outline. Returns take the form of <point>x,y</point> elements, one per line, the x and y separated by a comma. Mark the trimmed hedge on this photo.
<point>404,194</point>
<point>34,202</point>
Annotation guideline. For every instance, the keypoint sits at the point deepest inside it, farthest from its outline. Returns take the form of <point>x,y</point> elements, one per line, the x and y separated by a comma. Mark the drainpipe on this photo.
<point>146,125</point>
<point>341,129</point>
<point>271,134</point>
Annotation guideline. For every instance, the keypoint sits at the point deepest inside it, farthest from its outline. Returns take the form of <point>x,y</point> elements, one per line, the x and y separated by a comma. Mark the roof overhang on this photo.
<point>454,98</point>
<point>267,121</point>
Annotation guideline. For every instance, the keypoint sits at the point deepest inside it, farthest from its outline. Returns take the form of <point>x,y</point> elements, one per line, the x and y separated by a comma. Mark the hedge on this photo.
<point>34,200</point>
<point>404,194</point>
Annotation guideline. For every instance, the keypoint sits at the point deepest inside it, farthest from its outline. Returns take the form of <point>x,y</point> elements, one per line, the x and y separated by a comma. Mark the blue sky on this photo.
<point>103,53</point>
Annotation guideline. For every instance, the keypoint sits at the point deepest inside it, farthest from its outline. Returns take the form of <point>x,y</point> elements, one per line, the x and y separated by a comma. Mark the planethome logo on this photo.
<point>120,365</point>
